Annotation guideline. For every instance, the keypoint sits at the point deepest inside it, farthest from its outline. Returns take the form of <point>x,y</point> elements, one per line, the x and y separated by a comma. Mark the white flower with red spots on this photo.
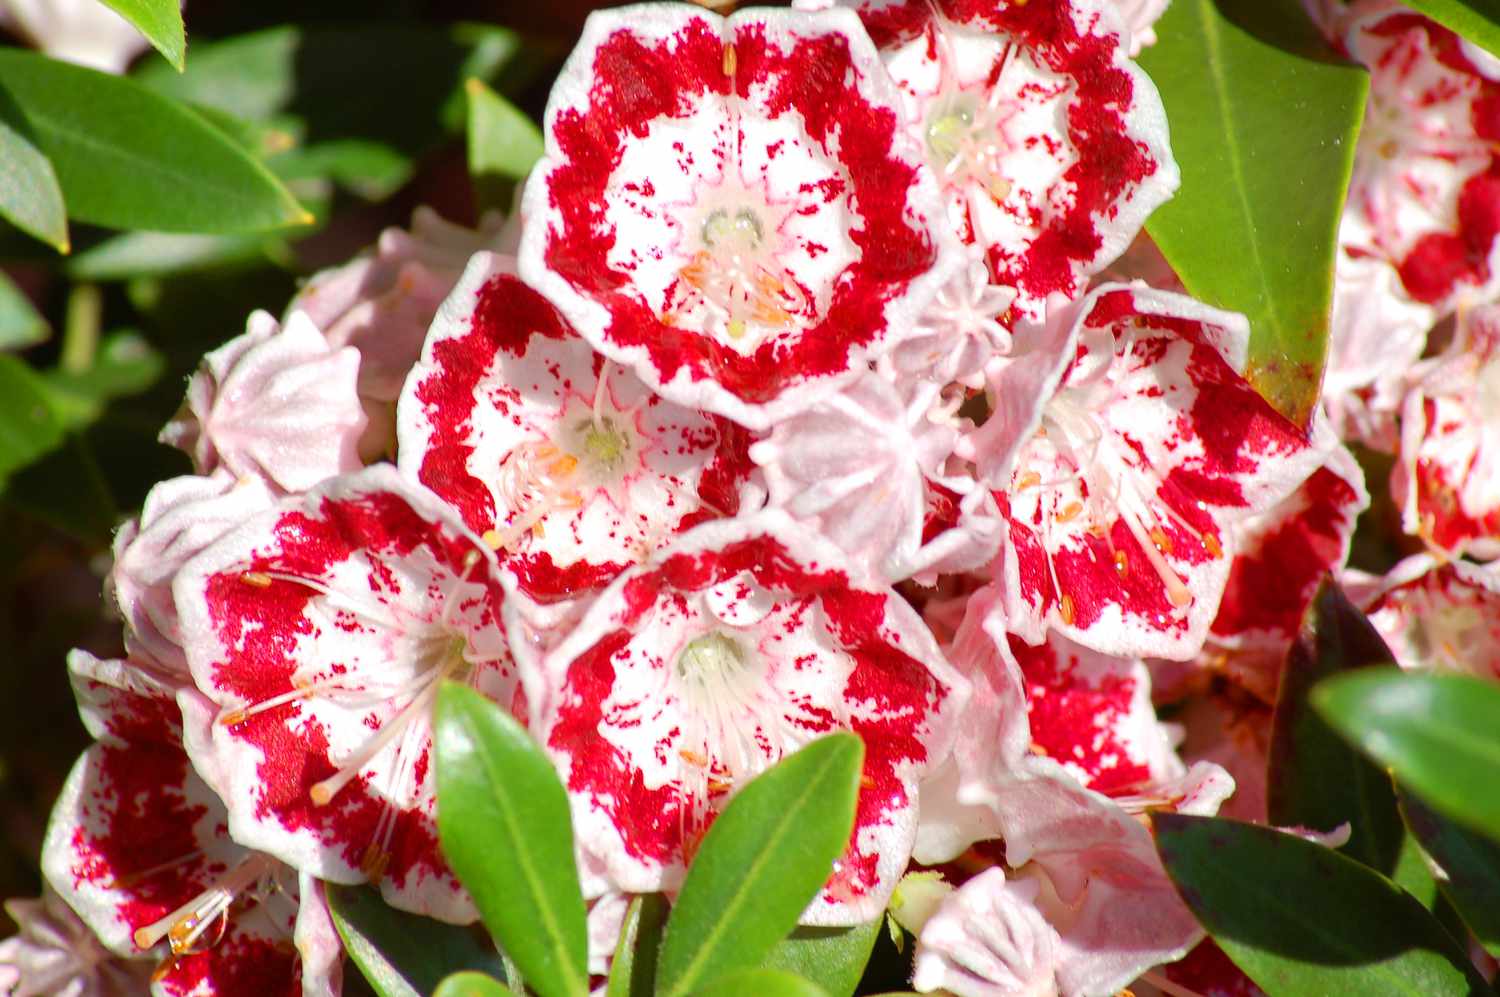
<point>321,630</point>
<point>1050,145</point>
<point>1424,196</point>
<point>1443,616</point>
<point>277,402</point>
<point>138,846</point>
<point>744,640</point>
<point>568,466</point>
<point>1150,449</point>
<point>1447,479</point>
<point>731,208</point>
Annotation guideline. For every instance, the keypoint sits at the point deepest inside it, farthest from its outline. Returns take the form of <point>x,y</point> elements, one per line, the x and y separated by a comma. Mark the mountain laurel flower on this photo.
<point>730,207</point>
<point>562,461</point>
<point>1440,615</point>
<point>739,643</point>
<point>321,630</point>
<point>1049,143</point>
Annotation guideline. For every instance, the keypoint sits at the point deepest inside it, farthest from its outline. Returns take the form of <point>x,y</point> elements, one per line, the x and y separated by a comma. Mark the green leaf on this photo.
<point>503,144</point>
<point>1437,734</point>
<point>504,825</point>
<point>161,22</point>
<point>126,364</point>
<point>138,254</point>
<point>761,983</point>
<point>833,958</point>
<point>20,325</point>
<point>1476,20</point>
<point>401,954</point>
<point>1471,864</point>
<point>632,973</point>
<point>1300,919</point>
<point>127,158</point>
<point>1315,779</point>
<point>30,198</point>
<point>471,985</point>
<point>1263,128</point>
<point>28,426</point>
<point>761,863</point>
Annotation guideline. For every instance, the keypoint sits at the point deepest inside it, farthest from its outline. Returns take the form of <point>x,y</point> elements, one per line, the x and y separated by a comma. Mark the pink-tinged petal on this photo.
<point>562,461</point>
<point>319,946</point>
<point>122,702</point>
<point>1050,145</point>
<point>322,630</point>
<point>1231,729</point>
<point>1443,616</point>
<point>277,402</point>
<point>966,326</point>
<point>181,517</point>
<point>1139,16</point>
<point>77,31</point>
<point>1376,334</point>
<point>605,922</point>
<point>730,206</point>
<point>664,708</point>
<point>1447,480</point>
<point>1115,911</point>
<point>1121,504</point>
<point>56,955</point>
<point>988,939</point>
<point>1283,554</point>
<point>1424,191</point>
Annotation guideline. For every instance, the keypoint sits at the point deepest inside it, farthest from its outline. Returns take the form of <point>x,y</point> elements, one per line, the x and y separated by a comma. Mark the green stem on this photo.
<point>80,341</point>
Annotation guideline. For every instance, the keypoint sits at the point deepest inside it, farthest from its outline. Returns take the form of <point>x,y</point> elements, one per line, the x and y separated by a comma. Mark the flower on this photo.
<point>988,939</point>
<point>321,630</point>
<point>1050,145</point>
<point>568,466</point>
<point>1438,615</point>
<point>81,31</point>
<point>743,640</point>
<point>729,206</point>
<point>56,955</point>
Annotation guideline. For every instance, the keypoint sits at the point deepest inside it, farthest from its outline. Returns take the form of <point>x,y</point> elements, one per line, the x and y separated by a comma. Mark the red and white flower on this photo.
<point>1443,616</point>
<point>1050,145</point>
<point>1150,450</point>
<point>566,465</point>
<point>731,208</point>
<point>321,631</point>
<point>744,640</point>
<point>1447,479</point>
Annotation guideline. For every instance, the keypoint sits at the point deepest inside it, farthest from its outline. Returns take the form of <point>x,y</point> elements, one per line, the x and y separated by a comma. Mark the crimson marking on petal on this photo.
<point>239,966</point>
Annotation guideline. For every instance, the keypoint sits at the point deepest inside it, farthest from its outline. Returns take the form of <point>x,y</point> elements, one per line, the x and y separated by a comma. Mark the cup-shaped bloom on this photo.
<point>564,462</point>
<point>1050,145</point>
<point>1442,616</point>
<point>744,640</point>
<point>731,207</point>
<point>321,630</point>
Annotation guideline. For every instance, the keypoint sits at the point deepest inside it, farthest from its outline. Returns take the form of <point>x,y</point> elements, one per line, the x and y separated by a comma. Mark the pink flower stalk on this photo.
<point>321,630</point>
<point>562,461</point>
<point>1425,189</point>
<point>1125,449</point>
<point>731,208</point>
<point>138,846</point>
<point>1447,480</point>
<point>1050,145</point>
<point>742,641</point>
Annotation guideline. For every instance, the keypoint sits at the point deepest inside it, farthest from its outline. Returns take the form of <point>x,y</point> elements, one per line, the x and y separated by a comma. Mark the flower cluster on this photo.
<point>810,389</point>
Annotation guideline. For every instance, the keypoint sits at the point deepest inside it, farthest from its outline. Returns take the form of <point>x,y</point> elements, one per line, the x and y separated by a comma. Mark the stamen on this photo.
<point>730,62</point>
<point>186,925</point>
<point>1065,610</point>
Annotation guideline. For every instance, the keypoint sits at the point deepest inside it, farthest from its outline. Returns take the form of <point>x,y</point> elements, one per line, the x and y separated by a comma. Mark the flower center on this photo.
<point>710,659</point>
<point>186,927</point>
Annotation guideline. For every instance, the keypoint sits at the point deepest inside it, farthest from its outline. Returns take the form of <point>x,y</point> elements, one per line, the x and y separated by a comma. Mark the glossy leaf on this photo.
<point>833,958</point>
<point>137,254</point>
<point>1263,126</point>
<point>471,985</point>
<point>126,158</point>
<point>1476,20</point>
<point>632,972</point>
<point>761,983</point>
<point>1302,920</point>
<point>1315,778</point>
<point>161,22</point>
<point>30,198</point>
<point>504,825</point>
<point>1471,867</point>
<point>401,954</point>
<point>20,325</point>
<point>762,861</point>
<point>28,426</point>
<point>503,143</point>
<point>1437,734</point>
